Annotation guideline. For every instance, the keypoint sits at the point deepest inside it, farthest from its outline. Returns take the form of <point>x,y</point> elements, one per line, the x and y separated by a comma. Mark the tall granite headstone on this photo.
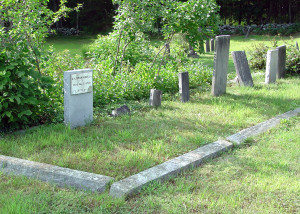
<point>297,46</point>
<point>281,61</point>
<point>207,46</point>
<point>212,45</point>
<point>184,88</point>
<point>155,97</point>
<point>272,66</point>
<point>221,58</point>
<point>78,97</point>
<point>242,68</point>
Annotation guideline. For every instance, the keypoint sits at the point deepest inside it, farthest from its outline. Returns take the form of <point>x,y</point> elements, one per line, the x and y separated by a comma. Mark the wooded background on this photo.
<point>97,15</point>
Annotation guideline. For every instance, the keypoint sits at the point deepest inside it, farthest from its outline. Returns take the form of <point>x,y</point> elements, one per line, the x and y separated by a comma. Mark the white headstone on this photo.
<point>78,97</point>
<point>272,66</point>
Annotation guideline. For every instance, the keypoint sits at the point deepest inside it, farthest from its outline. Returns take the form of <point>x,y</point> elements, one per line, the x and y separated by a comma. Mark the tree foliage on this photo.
<point>23,87</point>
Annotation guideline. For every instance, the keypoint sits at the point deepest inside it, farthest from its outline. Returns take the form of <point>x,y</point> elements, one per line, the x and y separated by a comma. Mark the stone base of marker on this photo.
<point>221,58</point>
<point>184,88</point>
<point>242,68</point>
<point>155,97</point>
<point>78,97</point>
<point>272,66</point>
<point>121,111</point>
<point>281,61</point>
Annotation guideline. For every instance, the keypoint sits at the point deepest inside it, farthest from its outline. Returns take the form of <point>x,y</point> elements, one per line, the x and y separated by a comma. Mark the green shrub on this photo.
<point>258,55</point>
<point>293,59</point>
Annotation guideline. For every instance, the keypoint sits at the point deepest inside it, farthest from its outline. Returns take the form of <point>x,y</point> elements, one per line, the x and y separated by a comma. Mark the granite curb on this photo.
<point>134,183</point>
<point>241,137</point>
<point>60,176</point>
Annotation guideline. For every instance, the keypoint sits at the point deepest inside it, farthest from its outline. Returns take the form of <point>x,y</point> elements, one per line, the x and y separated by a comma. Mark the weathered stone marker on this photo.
<point>121,111</point>
<point>78,97</point>
<point>281,61</point>
<point>184,88</point>
<point>220,65</point>
<point>297,46</point>
<point>207,46</point>
<point>212,45</point>
<point>155,97</point>
<point>272,66</point>
<point>242,68</point>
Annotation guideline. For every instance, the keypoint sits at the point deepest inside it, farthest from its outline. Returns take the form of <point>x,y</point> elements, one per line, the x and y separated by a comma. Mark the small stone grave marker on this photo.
<point>281,61</point>
<point>242,68</point>
<point>155,97</point>
<point>272,66</point>
<point>184,88</point>
<point>120,111</point>
<point>207,46</point>
<point>220,65</point>
<point>212,45</point>
<point>78,97</point>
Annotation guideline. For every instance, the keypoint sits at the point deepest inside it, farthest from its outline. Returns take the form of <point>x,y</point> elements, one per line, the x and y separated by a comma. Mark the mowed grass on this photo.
<point>120,147</point>
<point>260,177</point>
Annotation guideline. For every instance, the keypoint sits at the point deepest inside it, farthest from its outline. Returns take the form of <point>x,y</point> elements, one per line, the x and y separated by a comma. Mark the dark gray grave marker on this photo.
<point>220,65</point>
<point>242,68</point>
<point>78,97</point>
<point>212,45</point>
<point>281,61</point>
<point>184,88</point>
<point>207,46</point>
<point>155,97</point>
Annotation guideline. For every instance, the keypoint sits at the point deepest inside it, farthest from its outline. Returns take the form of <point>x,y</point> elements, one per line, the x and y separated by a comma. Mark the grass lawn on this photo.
<point>120,147</point>
<point>252,179</point>
<point>260,177</point>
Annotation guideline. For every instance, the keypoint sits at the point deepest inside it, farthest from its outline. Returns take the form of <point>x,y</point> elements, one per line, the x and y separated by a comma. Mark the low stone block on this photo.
<point>242,68</point>
<point>184,87</point>
<point>221,58</point>
<point>60,176</point>
<point>242,136</point>
<point>281,61</point>
<point>272,66</point>
<point>121,111</point>
<point>155,97</point>
<point>133,184</point>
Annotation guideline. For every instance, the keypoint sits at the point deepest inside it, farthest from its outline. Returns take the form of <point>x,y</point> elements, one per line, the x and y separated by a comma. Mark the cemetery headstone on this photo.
<point>212,45</point>
<point>78,97</point>
<point>297,46</point>
<point>192,52</point>
<point>120,111</point>
<point>281,61</point>
<point>242,68</point>
<point>272,66</point>
<point>184,88</point>
<point>155,97</point>
<point>220,65</point>
<point>207,46</point>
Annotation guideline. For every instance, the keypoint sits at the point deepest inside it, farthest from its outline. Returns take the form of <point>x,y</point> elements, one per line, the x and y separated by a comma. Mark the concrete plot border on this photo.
<point>60,176</point>
<point>242,136</point>
<point>134,183</point>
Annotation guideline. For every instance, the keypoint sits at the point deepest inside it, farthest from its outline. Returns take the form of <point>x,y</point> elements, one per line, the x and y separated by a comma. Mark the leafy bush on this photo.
<point>258,55</point>
<point>293,60</point>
